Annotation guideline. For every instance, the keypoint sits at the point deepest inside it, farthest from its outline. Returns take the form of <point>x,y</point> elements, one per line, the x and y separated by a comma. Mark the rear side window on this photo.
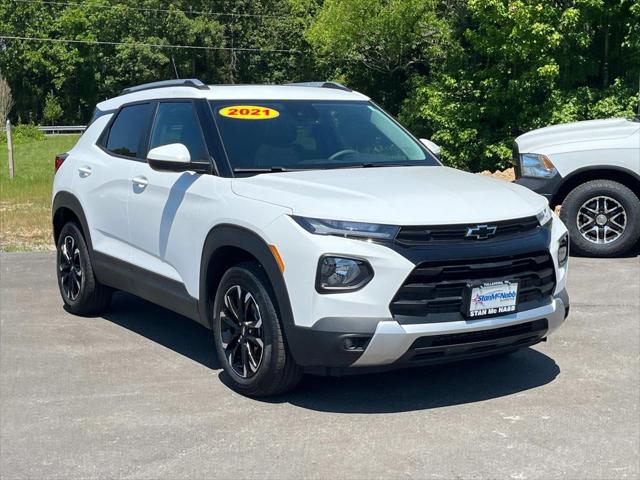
<point>128,129</point>
<point>176,122</point>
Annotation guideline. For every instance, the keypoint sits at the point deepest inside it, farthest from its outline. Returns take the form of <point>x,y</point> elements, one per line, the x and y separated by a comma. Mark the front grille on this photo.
<point>437,288</point>
<point>417,235</point>
<point>467,344</point>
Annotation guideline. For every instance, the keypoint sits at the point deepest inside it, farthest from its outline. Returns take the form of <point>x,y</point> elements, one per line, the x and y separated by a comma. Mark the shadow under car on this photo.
<point>417,388</point>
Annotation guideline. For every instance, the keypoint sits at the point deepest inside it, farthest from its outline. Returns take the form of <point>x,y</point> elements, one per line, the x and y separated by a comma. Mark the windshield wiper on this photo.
<point>266,170</point>
<point>375,165</point>
<point>319,167</point>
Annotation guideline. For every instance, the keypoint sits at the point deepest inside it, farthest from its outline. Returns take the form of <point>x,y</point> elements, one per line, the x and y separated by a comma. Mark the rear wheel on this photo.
<point>603,218</point>
<point>80,291</point>
<point>248,336</point>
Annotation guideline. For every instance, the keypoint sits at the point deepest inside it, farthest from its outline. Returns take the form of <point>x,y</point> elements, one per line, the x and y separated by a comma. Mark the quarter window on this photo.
<point>128,129</point>
<point>176,122</point>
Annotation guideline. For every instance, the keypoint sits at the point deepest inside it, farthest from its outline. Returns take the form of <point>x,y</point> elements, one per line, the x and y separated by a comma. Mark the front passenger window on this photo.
<point>176,122</point>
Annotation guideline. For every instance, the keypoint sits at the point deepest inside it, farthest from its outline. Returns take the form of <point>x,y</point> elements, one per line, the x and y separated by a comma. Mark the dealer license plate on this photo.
<point>494,298</point>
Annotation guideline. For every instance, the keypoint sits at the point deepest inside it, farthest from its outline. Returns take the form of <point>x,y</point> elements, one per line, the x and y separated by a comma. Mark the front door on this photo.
<point>164,207</point>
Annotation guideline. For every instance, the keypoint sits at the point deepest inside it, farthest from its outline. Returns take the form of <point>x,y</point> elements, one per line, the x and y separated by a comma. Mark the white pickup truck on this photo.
<point>592,169</point>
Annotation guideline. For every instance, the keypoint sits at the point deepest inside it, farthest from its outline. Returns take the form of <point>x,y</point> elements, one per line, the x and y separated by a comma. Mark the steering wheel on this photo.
<point>342,153</point>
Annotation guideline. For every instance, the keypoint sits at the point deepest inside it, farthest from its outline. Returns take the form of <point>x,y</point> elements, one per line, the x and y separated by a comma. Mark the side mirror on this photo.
<point>170,158</point>
<point>433,148</point>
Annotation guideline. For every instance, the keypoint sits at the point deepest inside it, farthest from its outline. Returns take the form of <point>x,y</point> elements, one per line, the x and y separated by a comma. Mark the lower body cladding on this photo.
<point>379,344</point>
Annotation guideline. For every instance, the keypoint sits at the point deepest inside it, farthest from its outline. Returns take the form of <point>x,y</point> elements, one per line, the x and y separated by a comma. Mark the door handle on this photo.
<point>84,171</point>
<point>140,182</point>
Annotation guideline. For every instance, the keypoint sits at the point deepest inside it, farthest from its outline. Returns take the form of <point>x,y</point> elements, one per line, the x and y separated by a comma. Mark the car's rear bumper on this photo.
<point>389,344</point>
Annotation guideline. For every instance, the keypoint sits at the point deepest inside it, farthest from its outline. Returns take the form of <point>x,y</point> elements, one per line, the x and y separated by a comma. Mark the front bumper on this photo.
<point>391,341</point>
<point>547,187</point>
<point>390,344</point>
<point>322,326</point>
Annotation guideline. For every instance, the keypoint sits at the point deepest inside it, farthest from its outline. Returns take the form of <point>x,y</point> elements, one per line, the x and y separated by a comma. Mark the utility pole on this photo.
<point>10,148</point>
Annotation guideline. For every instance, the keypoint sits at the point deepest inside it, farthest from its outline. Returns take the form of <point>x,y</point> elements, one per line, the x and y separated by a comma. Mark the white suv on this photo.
<point>306,228</point>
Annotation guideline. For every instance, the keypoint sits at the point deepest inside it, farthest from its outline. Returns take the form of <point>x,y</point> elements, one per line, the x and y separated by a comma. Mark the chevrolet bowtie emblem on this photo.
<point>481,232</point>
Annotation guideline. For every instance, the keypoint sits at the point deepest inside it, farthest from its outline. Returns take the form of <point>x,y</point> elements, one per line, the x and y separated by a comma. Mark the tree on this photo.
<point>84,73</point>
<point>526,64</point>
<point>52,111</point>
<point>469,74</point>
<point>378,45</point>
<point>148,39</point>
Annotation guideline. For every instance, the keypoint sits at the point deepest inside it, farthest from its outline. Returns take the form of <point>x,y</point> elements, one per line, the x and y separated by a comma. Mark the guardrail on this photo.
<point>62,129</point>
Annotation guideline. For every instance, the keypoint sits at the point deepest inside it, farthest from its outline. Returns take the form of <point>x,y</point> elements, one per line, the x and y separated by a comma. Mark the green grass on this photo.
<point>25,201</point>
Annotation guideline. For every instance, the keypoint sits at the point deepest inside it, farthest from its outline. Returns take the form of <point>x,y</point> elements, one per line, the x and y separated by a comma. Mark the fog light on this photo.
<point>356,344</point>
<point>563,249</point>
<point>340,274</point>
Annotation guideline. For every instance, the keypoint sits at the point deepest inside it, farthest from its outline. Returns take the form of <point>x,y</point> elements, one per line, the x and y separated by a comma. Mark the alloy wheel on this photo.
<point>71,276</point>
<point>241,331</point>
<point>601,220</point>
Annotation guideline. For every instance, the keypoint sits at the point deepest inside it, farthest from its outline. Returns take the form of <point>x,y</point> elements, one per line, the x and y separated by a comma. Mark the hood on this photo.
<point>543,139</point>
<point>393,195</point>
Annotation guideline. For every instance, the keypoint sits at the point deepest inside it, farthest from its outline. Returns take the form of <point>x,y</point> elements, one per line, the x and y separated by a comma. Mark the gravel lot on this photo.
<point>138,394</point>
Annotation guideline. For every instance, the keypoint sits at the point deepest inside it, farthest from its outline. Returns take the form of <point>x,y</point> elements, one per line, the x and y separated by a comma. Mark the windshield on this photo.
<point>303,134</point>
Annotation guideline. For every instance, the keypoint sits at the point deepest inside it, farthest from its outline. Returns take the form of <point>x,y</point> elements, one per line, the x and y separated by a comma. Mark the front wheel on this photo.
<point>248,336</point>
<point>603,218</point>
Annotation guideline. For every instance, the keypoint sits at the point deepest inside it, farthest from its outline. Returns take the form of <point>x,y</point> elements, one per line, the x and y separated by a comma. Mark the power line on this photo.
<point>154,45</point>
<point>161,10</point>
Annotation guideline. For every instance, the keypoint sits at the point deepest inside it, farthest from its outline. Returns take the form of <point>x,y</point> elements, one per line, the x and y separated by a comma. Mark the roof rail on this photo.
<point>180,82</point>
<point>336,85</point>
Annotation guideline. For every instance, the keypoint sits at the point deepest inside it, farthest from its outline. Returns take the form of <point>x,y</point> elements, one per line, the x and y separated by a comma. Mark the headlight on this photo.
<point>337,274</point>
<point>544,216</point>
<point>534,165</point>
<point>347,229</point>
<point>563,249</point>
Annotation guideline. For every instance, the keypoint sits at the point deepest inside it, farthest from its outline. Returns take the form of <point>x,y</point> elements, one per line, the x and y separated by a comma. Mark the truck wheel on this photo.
<point>247,334</point>
<point>81,292</point>
<point>603,218</point>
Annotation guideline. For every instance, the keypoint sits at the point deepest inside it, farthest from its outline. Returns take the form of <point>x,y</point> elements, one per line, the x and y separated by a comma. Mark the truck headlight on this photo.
<point>347,229</point>
<point>544,216</point>
<point>535,165</point>
<point>342,274</point>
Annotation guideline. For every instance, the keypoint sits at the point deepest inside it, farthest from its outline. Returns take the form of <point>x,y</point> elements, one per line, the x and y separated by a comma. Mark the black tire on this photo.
<point>621,194</point>
<point>81,292</point>
<point>276,370</point>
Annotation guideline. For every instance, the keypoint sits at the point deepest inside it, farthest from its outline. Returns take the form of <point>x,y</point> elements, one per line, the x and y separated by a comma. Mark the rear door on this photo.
<point>104,178</point>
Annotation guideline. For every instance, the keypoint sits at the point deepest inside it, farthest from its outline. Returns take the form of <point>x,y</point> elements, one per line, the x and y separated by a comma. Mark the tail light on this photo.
<point>60,158</point>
